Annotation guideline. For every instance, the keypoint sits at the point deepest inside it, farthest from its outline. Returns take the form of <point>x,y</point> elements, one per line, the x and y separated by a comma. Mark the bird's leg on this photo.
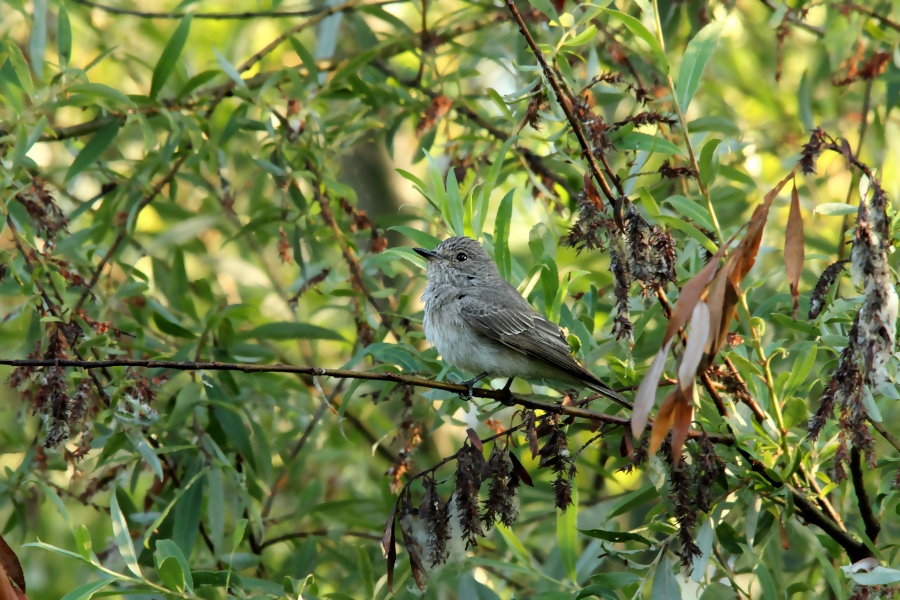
<point>507,398</point>
<point>470,385</point>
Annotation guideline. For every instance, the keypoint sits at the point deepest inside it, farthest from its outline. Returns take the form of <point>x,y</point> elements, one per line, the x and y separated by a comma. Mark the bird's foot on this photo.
<point>470,386</point>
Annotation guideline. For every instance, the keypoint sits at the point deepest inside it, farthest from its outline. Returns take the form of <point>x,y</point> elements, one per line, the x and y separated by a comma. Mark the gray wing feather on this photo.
<point>507,317</point>
<point>518,326</point>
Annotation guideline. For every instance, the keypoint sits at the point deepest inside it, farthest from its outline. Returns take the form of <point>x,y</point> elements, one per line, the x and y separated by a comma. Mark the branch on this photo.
<point>794,18</point>
<point>873,527</point>
<point>316,533</point>
<point>871,13</point>
<point>261,14</point>
<point>563,102</point>
<point>498,395</point>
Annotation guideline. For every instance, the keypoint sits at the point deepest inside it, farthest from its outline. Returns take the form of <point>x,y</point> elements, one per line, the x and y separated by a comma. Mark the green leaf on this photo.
<point>685,207</point>
<point>689,229</point>
<point>306,57</point>
<point>365,572</point>
<point>709,163</point>
<point>122,536</point>
<point>766,583</point>
<point>83,542</point>
<point>104,91</point>
<point>699,51</point>
<point>147,453</point>
<point>638,29</point>
<point>167,549</point>
<point>187,516</point>
<point>86,591</point>
<point>546,7</point>
<point>172,503</point>
<point>455,207</point>
<point>93,149</point>
<point>636,140</point>
<point>292,331</point>
<point>229,69</point>
<point>567,534</point>
<point>616,536</point>
<point>835,209</point>
<point>501,235</point>
<point>169,57</point>
<point>63,37</point>
<point>238,535</point>
<point>718,591</point>
<point>424,240</point>
<point>632,500</point>
<point>37,41</point>
<point>665,587</point>
<point>20,66</point>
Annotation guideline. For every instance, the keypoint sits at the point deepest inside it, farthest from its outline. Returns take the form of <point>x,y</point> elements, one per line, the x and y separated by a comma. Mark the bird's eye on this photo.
<point>461,256</point>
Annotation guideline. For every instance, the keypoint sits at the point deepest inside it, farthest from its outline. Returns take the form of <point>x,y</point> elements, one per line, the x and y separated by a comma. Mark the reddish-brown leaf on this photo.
<point>664,419</point>
<point>10,563</point>
<point>7,592</point>
<point>793,247</point>
<point>691,292</point>
<point>439,107</point>
<point>745,254</point>
<point>782,530</point>
<point>476,441</point>
<point>413,550</point>
<point>696,344</point>
<point>590,190</point>
<point>681,422</point>
<point>520,470</point>
<point>389,544</point>
<point>722,301</point>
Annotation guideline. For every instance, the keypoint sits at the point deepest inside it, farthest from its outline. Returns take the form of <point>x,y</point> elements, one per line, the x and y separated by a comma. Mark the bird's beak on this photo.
<point>427,254</point>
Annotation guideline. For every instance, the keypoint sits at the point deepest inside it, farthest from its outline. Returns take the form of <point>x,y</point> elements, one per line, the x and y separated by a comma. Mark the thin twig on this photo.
<point>563,102</point>
<point>499,395</point>
<point>316,533</point>
<point>260,14</point>
<point>794,18</point>
<point>873,527</point>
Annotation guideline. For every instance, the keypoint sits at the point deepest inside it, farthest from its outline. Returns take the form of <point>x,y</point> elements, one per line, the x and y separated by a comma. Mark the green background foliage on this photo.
<point>247,189</point>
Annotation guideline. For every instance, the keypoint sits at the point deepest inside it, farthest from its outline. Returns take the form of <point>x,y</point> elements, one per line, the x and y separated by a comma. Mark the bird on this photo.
<point>480,323</point>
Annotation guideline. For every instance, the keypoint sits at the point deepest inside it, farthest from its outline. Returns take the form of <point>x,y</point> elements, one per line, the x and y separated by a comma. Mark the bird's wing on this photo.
<point>508,319</point>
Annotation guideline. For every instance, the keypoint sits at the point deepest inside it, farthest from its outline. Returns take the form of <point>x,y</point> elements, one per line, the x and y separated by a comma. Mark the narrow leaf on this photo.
<point>122,536</point>
<point>696,343</point>
<point>699,51</point>
<point>63,37</point>
<point>37,41</point>
<point>638,29</point>
<point>645,397</point>
<point>93,149</point>
<point>793,248</point>
<point>566,535</point>
<point>169,57</point>
<point>665,587</point>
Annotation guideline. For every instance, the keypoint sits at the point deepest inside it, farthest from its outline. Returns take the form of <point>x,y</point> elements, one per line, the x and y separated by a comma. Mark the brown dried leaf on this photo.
<point>782,530</point>
<point>389,545</point>
<point>7,592</point>
<point>722,301</point>
<point>520,470</point>
<point>473,437</point>
<point>745,254</point>
<point>645,397</point>
<point>681,423</point>
<point>696,344</point>
<point>691,292</point>
<point>10,563</point>
<point>793,247</point>
<point>439,107</point>
<point>414,550</point>
<point>664,420</point>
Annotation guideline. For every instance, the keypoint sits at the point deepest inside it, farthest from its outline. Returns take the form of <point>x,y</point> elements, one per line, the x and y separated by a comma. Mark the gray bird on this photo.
<point>480,323</point>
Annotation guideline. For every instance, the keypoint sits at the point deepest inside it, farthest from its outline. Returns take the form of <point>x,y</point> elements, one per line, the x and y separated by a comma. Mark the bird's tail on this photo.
<point>603,389</point>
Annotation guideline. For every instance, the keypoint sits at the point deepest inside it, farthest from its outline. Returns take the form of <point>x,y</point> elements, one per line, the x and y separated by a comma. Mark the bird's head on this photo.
<point>459,261</point>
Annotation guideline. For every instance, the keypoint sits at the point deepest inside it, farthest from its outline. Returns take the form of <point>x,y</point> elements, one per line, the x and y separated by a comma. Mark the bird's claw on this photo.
<point>470,388</point>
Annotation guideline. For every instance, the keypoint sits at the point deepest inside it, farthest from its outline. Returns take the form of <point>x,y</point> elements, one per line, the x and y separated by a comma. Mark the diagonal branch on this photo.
<point>563,102</point>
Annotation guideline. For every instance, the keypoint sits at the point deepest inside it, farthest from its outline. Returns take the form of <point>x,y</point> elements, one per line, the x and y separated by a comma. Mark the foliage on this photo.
<point>218,381</point>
